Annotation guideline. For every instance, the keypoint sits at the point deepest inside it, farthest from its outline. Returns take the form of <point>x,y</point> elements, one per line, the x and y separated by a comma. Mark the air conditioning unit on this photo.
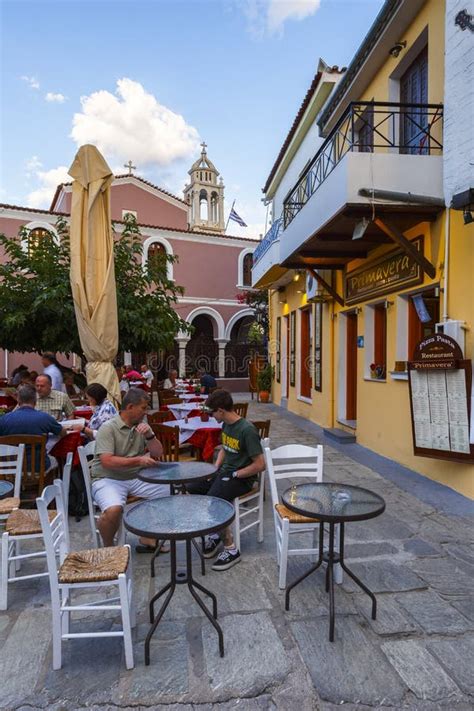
<point>314,291</point>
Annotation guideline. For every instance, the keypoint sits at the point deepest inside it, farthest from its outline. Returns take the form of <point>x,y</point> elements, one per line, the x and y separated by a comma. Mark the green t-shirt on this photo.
<point>115,437</point>
<point>241,443</point>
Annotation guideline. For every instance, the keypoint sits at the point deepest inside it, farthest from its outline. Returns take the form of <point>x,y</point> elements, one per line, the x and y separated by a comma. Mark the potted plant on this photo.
<point>264,382</point>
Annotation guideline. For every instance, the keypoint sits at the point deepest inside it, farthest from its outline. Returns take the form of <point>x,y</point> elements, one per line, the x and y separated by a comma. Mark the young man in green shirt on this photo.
<point>239,462</point>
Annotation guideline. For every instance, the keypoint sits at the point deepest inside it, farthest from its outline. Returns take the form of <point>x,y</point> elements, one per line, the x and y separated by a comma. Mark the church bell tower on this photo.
<point>204,196</point>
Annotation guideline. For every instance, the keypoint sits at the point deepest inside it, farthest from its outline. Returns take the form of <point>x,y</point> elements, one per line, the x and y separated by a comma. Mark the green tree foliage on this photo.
<point>36,307</point>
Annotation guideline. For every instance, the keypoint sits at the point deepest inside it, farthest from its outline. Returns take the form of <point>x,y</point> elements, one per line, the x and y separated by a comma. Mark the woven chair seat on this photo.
<point>7,505</point>
<point>252,491</point>
<point>25,522</point>
<point>293,517</point>
<point>94,566</point>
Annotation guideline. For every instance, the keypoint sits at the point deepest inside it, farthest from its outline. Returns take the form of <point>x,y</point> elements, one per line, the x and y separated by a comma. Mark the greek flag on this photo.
<point>234,216</point>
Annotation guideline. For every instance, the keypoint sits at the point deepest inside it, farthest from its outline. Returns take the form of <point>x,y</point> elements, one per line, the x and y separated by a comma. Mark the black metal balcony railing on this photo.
<point>367,127</point>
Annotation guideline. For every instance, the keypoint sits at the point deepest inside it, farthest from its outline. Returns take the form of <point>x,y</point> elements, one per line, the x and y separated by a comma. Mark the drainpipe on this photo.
<point>446,264</point>
<point>333,369</point>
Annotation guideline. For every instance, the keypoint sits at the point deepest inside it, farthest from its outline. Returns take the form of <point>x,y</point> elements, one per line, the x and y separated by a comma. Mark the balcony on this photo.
<point>380,159</point>
<point>266,258</point>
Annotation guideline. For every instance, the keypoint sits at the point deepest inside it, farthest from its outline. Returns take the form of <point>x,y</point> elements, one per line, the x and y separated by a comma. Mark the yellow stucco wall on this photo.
<point>383,408</point>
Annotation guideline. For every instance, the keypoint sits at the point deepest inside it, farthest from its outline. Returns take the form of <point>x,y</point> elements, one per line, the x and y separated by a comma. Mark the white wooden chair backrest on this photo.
<point>67,479</point>
<point>55,532</point>
<point>11,464</point>
<point>85,458</point>
<point>292,461</point>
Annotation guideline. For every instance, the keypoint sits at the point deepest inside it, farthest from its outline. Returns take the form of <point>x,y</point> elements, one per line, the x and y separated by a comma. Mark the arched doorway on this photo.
<point>239,349</point>
<point>202,350</point>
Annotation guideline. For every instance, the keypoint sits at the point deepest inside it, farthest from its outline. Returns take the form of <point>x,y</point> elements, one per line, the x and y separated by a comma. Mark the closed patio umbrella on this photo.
<point>92,267</point>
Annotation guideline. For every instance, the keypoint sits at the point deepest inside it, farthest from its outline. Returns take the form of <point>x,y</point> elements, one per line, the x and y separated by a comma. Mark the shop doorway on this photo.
<point>351,367</point>
<point>285,357</point>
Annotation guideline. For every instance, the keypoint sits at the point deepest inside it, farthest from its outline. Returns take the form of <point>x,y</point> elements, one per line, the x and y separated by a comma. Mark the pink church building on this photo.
<point>212,266</point>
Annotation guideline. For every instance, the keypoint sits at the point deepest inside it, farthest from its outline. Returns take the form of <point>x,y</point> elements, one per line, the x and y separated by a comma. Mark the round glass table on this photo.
<point>6,489</point>
<point>177,475</point>
<point>335,504</point>
<point>180,518</point>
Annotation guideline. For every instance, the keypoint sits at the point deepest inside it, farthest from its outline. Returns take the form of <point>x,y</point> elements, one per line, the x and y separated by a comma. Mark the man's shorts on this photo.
<point>114,492</point>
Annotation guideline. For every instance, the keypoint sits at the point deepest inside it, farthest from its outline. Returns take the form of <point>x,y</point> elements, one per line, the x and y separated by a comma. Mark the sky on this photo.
<point>147,81</point>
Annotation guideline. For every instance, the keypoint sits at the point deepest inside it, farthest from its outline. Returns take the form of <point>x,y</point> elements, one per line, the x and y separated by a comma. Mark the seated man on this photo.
<point>119,456</point>
<point>208,382</point>
<point>55,403</point>
<point>238,463</point>
<point>25,420</point>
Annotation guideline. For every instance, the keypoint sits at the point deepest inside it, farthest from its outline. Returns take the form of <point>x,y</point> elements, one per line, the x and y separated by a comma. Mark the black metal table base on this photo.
<point>198,549</point>
<point>331,558</point>
<point>179,578</point>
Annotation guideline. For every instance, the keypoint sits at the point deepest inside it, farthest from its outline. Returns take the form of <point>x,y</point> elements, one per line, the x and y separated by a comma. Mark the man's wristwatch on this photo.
<point>150,437</point>
<point>234,475</point>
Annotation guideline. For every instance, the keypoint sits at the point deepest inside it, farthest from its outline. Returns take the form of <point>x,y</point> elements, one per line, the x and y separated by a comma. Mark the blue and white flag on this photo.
<point>234,216</point>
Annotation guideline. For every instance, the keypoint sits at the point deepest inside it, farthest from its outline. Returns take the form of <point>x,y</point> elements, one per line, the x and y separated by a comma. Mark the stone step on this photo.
<point>339,435</point>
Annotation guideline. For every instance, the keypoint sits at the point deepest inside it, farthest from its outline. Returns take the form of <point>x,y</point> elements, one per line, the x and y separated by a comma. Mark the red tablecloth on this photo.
<point>86,413</point>
<point>67,444</point>
<point>206,440</point>
<point>7,401</point>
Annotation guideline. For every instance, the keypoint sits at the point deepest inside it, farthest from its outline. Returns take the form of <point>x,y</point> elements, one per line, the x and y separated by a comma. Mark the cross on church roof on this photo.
<point>204,146</point>
<point>130,167</point>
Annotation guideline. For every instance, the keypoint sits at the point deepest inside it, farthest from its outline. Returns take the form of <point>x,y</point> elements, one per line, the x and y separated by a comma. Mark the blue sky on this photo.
<point>149,80</point>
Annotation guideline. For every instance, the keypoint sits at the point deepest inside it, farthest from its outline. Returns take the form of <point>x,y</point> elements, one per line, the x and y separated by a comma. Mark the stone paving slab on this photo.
<point>415,656</point>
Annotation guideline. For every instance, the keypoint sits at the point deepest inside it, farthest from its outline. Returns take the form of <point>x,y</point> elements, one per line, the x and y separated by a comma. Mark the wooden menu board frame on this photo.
<point>440,354</point>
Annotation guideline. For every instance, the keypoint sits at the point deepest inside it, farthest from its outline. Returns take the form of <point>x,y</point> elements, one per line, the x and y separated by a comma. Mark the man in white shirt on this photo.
<point>147,374</point>
<point>50,368</point>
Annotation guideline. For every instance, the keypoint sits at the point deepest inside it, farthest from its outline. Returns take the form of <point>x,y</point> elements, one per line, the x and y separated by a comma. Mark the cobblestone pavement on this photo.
<point>418,654</point>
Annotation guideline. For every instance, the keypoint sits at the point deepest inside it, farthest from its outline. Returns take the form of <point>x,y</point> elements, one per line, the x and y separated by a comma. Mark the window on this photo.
<point>414,121</point>
<point>155,250</point>
<point>423,315</point>
<point>380,339</point>
<point>247,270</point>
<point>292,347</point>
<point>278,349</point>
<point>36,236</point>
<point>306,348</point>
<point>365,126</point>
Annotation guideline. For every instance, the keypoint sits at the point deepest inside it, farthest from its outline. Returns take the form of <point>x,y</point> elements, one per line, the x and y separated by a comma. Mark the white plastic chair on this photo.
<point>21,525</point>
<point>301,461</point>
<point>83,570</point>
<point>11,465</point>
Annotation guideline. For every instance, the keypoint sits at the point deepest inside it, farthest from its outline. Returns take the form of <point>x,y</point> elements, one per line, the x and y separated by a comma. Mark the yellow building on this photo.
<point>372,245</point>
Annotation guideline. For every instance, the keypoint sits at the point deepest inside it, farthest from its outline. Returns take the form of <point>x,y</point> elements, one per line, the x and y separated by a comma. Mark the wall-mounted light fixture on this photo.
<point>397,48</point>
<point>360,228</point>
<point>388,303</point>
<point>467,216</point>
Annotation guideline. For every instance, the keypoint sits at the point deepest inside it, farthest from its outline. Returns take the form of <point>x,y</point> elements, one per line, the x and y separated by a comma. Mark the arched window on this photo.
<point>35,234</point>
<point>155,250</point>
<point>247,270</point>
<point>203,206</point>
<point>214,206</point>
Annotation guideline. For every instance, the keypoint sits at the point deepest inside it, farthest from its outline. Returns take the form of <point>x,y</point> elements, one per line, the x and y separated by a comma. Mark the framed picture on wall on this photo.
<point>318,346</point>
<point>292,348</point>
<point>278,350</point>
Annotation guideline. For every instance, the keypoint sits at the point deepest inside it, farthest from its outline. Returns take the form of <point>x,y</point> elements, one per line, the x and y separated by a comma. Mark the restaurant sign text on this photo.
<point>391,272</point>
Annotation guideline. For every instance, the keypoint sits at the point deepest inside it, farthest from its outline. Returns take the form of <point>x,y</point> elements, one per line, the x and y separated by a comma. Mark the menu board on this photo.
<point>440,397</point>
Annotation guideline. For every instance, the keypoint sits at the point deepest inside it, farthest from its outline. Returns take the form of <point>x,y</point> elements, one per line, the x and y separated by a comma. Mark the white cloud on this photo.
<point>269,16</point>
<point>57,98</point>
<point>32,82</point>
<point>48,181</point>
<point>32,166</point>
<point>132,124</point>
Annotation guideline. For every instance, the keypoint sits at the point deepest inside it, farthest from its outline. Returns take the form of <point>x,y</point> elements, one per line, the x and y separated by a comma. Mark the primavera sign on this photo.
<point>391,272</point>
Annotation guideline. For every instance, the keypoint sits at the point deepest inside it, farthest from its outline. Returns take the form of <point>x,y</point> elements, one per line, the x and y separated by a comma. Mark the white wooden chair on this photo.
<point>84,570</point>
<point>85,458</point>
<point>255,511</point>
<point>11,466</point>
<point>293,461</point>
<point>21,525</point>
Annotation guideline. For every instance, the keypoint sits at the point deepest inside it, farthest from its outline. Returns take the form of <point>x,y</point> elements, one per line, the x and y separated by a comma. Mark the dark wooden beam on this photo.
<point>406,245</point>
<point>326,286</point>
<point>303,265</point>
<point>338,248</point>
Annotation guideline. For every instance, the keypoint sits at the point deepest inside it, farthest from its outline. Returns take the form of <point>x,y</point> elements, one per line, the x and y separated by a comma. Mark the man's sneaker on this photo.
<point>211,547</point>
<point>226,560</point>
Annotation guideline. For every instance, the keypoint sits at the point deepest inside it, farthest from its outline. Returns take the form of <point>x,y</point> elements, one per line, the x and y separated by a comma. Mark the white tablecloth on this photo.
<point>180,411</point>
<point>190,396</point>
<point>187,429</point>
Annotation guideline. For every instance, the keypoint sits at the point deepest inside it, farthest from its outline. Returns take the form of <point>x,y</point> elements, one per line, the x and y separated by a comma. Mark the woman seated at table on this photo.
<point>171,381</point>
<point>104,410</point>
